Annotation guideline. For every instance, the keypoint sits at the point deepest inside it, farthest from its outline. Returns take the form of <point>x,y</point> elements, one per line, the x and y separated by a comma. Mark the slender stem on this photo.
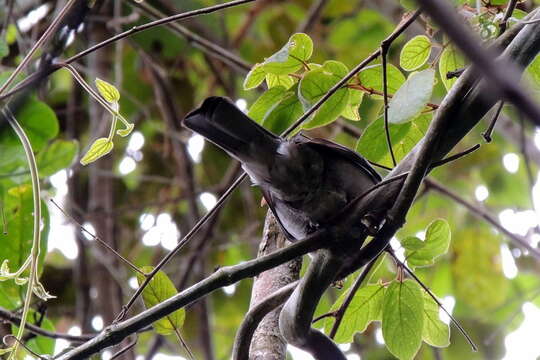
<point>37,219</point>
<point>137,29</point>
<point>16,320</point>
<point>184,345</point>
<point>180,245</point>
<point>489,131</point>
<point>125,349</point>
<point>338,314</point>
<point>483,214</point>
<point>114,112</point>
<point>97,238</point>
<point>30,80</point>
<point>507,15</point>
<point>384,51</point>
<point>37,45</point>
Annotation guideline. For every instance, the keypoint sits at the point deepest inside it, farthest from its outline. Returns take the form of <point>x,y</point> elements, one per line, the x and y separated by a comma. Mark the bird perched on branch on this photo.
<point>306,182</point>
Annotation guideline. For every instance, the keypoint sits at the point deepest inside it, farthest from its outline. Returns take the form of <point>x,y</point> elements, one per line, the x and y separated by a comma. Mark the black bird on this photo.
<point>305,181</point>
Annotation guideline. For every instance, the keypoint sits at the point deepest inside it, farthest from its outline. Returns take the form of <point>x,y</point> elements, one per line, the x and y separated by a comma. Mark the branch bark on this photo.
<point>267,343</point>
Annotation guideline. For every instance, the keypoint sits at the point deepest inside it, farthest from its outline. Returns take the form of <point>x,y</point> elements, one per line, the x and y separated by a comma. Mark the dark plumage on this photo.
<point>305,181</point>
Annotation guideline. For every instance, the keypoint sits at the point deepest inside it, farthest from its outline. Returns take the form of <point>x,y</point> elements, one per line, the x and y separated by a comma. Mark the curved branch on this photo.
<point>254,316</point>
<point>223,277</point>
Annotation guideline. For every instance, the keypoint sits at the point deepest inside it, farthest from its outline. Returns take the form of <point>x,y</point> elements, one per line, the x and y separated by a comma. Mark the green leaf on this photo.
<point>108,91</point>
<point>266,102</point>
<point>159,289</point>
<point>315,84</point>
<point>412,243</point>
<point>450,60</point>
<point>412,97</point>
<point>372,145</point>
<point>254,77</point>
<point>436,244</point>
<point>38,121</point>
<point>403,318</point>
<point>435,332</point>
<point>371,78</point>
<point>16,243</point>
<point>415,53</point>
<point>291,57</point>
<point>365,307</point>
<point>99,148</point>
<point>273,80</point>
<point>125,131</point>
<point>285,113</point>
<point>57,156</point>
<point>351,110</point>
<point>4,48</point>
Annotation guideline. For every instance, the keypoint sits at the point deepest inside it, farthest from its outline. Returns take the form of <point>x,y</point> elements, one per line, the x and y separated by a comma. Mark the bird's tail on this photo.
<point>221,122</point>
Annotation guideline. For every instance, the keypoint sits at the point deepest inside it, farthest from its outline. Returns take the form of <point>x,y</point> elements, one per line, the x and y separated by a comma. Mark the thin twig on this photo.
<point>50,30</point>
<point>137,29</point>
<point>432,295</point>
<point>125,349</point>
<point>385,45</point>
<point>196,40</point>
<point>180,245</point>
<point>340,312</point>
<point>489,131</point>
<point>37,76</point>
<point>397,31</point>
<point>15,320</point>
<point>454,157</point>
<point>507,15</point>
<point>222,277</point>
<point>483,214</point>
<point>97,238</point>
<point>312,16</point>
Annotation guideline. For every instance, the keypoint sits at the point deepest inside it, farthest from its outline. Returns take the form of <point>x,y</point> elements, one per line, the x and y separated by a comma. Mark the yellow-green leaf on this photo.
<point>403,318</point>
<point>435,332</point>
<point>255,77</point>
<point>126,131</point>
<point>436,244</point>
<point>365,307</point>
<point>450,60</point>
<point>108,91</point>
<point>99,148</point>
<point>371,78</point>
<point>273,80</point>
<point>159,289</point>
<point>291,57</point>
<point>415,53</point>
<point>412,97</point>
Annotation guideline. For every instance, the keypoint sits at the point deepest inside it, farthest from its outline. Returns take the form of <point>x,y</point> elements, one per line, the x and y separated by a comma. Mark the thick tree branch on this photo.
<point>267,343</point>
<point>253,318</point>
<point>502,75</point>
<point>223,277</point>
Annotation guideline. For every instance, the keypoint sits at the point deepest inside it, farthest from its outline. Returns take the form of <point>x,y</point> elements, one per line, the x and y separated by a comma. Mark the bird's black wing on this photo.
<point>270,201</point>
<point>346,153</point>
